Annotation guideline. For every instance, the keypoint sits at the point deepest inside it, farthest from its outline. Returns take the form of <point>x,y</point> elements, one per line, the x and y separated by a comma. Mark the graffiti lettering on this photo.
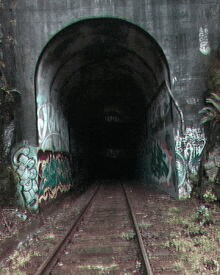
<point>161,166</point>
<point>160,142</point>
<point>52,193</point>
<point>24,162</point>
<point>188,149</point>
<point>54,174</point>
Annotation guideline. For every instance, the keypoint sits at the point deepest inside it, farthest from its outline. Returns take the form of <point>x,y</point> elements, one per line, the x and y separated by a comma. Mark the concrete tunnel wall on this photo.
<point>188,32</point>
<point>101,74</point>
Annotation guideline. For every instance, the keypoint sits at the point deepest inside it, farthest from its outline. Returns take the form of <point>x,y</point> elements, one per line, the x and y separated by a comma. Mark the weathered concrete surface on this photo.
<point>183,30</point>
<point>10,134</point>
<point>188,33</point>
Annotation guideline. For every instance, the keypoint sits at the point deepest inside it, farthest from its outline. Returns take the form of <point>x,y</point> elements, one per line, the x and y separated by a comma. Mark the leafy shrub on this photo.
<point>211,113</point>
<point>209,196</point>
<point>204,216</point>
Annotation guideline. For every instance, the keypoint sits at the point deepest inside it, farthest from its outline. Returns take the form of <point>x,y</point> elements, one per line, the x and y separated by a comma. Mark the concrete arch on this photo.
<point>108,72</point>
<point>89,41</point>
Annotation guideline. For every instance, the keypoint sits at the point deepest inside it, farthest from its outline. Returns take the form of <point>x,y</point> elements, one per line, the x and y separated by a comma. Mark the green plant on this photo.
<point>211,113</point>
<point>49,237</point>
<point>211,264</point>
<point>204,216</point>
<point>144,225</point>
<point>196,244</point>
<point>193,230</point>
<point>209,197</point>
<point>128,236</point>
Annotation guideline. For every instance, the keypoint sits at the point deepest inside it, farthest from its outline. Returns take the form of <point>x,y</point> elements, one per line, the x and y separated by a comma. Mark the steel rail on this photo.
<point>45,265</point>
<point>147,266</point>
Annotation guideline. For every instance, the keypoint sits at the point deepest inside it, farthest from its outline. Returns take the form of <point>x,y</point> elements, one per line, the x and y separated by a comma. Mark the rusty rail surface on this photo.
<point>140,241</point>
<point>47,265</point>
<point>43,268</point>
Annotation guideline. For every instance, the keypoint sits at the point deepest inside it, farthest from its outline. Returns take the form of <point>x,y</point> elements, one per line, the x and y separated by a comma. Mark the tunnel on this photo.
<point>99,77</point>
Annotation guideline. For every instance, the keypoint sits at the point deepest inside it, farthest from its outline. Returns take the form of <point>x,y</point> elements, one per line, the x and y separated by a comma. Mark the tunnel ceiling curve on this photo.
<point>84,59</point>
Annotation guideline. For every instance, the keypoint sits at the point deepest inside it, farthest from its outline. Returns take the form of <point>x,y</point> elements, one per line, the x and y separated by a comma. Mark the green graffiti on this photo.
<point>55,172</point>
<point>50,176</point>
<point>159,166</point>
<point>65,172</point>
<point>24,162</point>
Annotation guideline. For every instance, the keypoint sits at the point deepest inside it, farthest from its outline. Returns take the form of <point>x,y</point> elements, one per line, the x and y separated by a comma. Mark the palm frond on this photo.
<point>206,110</point>
<point>215,104</point>
<point>207,119</point>
<point>216,96</point>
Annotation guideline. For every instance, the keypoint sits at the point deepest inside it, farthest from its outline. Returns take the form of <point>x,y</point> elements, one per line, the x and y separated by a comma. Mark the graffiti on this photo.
<point>160,112</point>
<point>192,100</point>
<point>52,193</point>
<point>24,162</point>
<point>188,150</point>
<point>161,164</point>
<point>160,143</point>
<point>52,128</point>
<point>54,174</point>
<point>190,147</point>
<point>203,41</point>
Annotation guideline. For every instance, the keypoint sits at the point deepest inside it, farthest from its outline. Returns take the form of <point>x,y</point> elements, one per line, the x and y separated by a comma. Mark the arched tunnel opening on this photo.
<point>101,75</point>
<point>108,123</point>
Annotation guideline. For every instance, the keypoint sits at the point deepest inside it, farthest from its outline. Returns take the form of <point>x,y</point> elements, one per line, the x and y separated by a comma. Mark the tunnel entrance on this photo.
<point>95,83</point>
<point>109,123</point>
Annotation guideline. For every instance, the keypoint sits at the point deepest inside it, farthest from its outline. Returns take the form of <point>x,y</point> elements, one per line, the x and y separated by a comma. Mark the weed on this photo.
<point>21,259</point>
<point>49,237</point>
<point>178,266</point>
<point>99,267</point>
<point>144,225</point>
<point>211,264</point>
<point>194,242</point>
<point>188,226</point>
<point>204,216</point>
<point>181,245</point>
<point>209,197</point>
<point>138,264</point>
<point>128,236</point>
<point>193,230</point>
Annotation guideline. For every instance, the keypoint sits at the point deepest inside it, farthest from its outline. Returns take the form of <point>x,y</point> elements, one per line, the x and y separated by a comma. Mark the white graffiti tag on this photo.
<point>52,128</point>
<point>188,149</point>
<point>203,41</point>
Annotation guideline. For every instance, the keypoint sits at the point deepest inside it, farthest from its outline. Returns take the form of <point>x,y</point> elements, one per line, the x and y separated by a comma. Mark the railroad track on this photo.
<point>103,239</point>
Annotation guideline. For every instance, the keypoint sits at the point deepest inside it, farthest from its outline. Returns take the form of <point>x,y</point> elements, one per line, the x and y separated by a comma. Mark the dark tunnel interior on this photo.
<point>109,127</point>
<point>104,73</point>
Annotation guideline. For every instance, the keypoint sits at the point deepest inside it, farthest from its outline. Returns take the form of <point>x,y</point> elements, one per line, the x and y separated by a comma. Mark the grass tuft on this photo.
<point>194,241</point>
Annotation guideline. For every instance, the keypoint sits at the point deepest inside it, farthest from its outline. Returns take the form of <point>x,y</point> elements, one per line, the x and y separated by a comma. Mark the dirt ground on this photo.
<point>180,227</point>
